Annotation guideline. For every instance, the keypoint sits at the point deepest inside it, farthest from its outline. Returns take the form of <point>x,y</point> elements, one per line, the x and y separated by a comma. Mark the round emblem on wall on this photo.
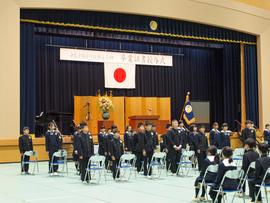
<point>153,25</point>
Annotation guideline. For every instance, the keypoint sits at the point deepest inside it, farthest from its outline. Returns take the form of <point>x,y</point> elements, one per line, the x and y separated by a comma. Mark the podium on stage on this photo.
<point>134,120</point>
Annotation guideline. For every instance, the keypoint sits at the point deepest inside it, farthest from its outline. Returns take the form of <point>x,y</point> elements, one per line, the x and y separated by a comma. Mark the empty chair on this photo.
<point>126,166</point>
<point>95,168</point>
<point>60,158</point>
<point>238,156</point>
<point>158,162</point>
<point>34,155</point>
<point>232,175</point>
<point>185,163</point>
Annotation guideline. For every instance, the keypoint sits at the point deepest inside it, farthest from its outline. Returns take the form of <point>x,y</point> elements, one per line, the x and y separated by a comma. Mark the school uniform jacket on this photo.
<point>116,148</point>
<point>85,145</point>
<point>193,141</point>
<point>102,145</point>
<point>150,144</point>
<point>249,157</point>
<point>266,135</point>
<point>261,166</point>
<point>248,133</point>
<point>224,140</point>
<point>214,138</point>
<point>53,141</point>
<point>75,142</point>
<point>210,177</point>
<point>202,142</point>
<point>163,143</point>
<point>25,143</point>
<point>139,142</point>
<point>129,141</point>
<point>173,139</point>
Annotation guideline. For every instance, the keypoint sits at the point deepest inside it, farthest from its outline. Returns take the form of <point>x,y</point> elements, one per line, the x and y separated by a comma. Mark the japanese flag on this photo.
<point>119,75</point>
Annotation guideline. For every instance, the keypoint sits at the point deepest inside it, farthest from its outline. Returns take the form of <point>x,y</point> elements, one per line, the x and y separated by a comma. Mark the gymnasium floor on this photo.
<point>16,188</point>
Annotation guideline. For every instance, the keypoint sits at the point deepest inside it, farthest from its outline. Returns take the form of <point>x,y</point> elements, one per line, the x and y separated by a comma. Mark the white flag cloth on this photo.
<point>119,75</point>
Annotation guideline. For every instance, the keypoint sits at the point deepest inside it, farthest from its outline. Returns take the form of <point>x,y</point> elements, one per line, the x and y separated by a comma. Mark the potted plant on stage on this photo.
<point>105,105</point>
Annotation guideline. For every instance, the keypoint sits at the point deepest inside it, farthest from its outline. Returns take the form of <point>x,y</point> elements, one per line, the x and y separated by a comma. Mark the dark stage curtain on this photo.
<point>251,79</point>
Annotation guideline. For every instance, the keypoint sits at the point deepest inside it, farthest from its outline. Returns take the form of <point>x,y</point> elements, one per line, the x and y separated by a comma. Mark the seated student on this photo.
<point>266,134</point>
<point>53,143</point>
<point>225,165</point>
<point>211,159</point>
<point>85,150</point>
<point>25,144</point>
<point>224,138</point>
<point>214,135</point>
<point>202,143</point>
<point>250,156</point>
<point>261,166</point>
<point>116,151</point>
<point>128,139</point>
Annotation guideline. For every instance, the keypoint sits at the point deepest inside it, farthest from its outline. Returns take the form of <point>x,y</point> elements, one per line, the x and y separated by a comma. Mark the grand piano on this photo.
<point>64,121</point>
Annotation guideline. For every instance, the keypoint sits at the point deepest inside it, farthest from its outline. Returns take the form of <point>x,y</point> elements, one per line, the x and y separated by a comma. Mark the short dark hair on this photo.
<point>201,126</point>
<point>215,124</point>
<point>250,142</point>
<point>147,123</point>
<point>248,122</point>
<point>192,127</point>
<point>227,152</point>
<point>168,125</point>
<point>113,127</point>
<point>174,120</point>
<point>26,128</point>
<point>267,125</point>
<point>212,150</point>
<point>139,125</point>
<point>225,125</point>
<point>102,127</point>
<point>263,147</point>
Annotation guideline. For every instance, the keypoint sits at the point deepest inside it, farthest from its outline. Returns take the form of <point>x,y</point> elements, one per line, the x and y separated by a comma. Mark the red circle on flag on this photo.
<point>120,75</point>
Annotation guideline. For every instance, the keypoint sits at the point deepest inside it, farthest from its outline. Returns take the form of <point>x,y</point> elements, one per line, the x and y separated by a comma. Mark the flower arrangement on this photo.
<point>105,102</point>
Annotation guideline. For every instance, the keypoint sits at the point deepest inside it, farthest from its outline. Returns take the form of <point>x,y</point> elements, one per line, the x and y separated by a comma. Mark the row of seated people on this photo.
<point>225,162</point>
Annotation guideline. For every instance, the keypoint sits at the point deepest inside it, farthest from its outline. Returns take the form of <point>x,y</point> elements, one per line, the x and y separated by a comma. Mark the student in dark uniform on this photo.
<point>266,134</point>
<point>249,156</point>
<point>149,147</point>
<point>202,146</point>
<point>225,136</point>
<point>25,144</point>
<point>261,166</point>
<point>193,142</point>
<point>183,134</point>
<point>163,145</point>
<point>116,151</point>
<point>128,140</point>
<point>214,135</point>
<point>139,146</point>
<point>102,146</point>
<point>85,150</point>
<point>174,144</point>
<point>225,165</point>
<point>53,143</point>
<point>211,159</point>
<point>74,138</point>
<point>248,132</point>
<point>155,134</point>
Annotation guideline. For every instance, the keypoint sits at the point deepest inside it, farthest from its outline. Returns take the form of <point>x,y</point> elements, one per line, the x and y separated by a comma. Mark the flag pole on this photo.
<point>187,97</point>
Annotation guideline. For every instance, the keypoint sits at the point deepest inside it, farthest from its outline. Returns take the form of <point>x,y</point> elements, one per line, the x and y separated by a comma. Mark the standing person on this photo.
<point>225,165</point>
<point>183,134</point>
<point>53,143</point>
<point>139,146</point>
<point>202,146</point>
<point>102,145</point>
<point>249,156</point>
<point>74,138</point>
<point>155,134</point>
<point>225,136</point>
<point>128,140</point>
<point>174,144</point>
<point>193,143</point>
<point>266,134</point>
<point>261,166</point>
<point>248,131</point>
<point>163,145</point>
<point>116,151</point>
<point>85,150</point>
<point>149,147</point>
<point>215,135</point>
<point>25,144</point>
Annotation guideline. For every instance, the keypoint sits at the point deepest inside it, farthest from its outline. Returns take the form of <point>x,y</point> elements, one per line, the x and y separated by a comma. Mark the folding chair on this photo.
<point>185,162</point>
<point>238,156</point>
<point>126,166</point>
<point>61,156</point>
<point>33,154</point>
<point>245,178</point>
<point>263,185</point>
<point>205,183</point>
<point>158,161</point>
<point>96,164</point>
<point>232,175</point>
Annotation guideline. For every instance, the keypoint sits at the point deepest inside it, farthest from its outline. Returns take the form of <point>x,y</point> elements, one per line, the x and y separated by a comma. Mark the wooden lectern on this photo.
<point>134,120</point>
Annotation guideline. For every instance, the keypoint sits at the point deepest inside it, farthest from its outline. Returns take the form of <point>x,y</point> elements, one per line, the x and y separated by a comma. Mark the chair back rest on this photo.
<point>186,155</point>
<point>238,152</point>
<point>212,168</point>
<point>267,174</point>
<point>234,174</point>
<point>97,158</point>
<point>31,153</point>
<point>61,153</point>
<point>96,161</point>
<point>159,155</point>
<point>127,157</point>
